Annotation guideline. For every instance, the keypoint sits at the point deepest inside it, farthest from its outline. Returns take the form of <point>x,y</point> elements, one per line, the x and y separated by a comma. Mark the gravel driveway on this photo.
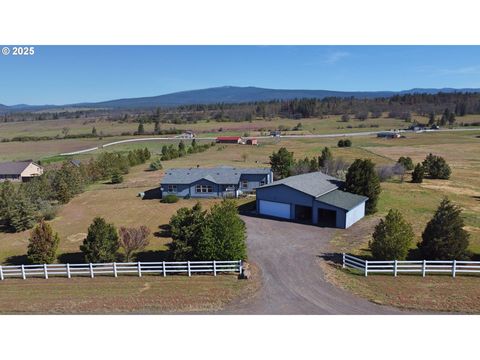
<point>293,282</point>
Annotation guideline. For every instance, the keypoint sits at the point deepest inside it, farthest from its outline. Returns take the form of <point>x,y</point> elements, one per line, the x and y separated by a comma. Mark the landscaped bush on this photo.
<point>155,165</point>
<point>392,237</point>
<point>117,178</point>
<point>344,143</point>
<point>170,199</point>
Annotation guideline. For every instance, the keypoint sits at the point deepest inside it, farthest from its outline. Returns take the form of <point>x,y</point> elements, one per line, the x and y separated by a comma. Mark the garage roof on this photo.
<point>341,199</point>
<point>314,184</point>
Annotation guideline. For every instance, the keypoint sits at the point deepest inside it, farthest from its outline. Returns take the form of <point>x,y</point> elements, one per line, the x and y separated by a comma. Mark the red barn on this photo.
<point>229,140</point>
<point>252,142</point>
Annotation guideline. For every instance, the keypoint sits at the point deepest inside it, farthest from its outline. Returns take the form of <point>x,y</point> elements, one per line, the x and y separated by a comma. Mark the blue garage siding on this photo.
<point>284,194</point>
<point>340,214</point>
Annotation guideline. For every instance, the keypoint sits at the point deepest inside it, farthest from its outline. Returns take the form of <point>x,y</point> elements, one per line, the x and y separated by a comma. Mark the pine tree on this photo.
<point>392,237</point>
<point>417,174</point>
<point>362,179</point>
<point>444,237</point>
<point>7,202</point>
<point>141,128</point>
<point>156,129</point>
<point>282,163</point>
<point>94,131</point>
<point>436,167</point>
<point>43,244</point>
<point>23,213</point>
<point>101,243</point>
<point>325,158</point>
<point>406,161</point>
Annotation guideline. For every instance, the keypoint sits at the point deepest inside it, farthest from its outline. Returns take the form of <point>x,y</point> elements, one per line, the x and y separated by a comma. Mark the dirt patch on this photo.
<point>76,237</point>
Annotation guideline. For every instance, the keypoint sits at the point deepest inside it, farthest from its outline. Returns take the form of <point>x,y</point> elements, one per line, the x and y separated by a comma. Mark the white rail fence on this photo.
<point>115,269</point>
<point>423,267</point>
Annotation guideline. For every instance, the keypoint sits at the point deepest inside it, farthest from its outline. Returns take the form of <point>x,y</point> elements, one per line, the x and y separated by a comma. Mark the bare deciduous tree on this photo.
<point>133,240</point>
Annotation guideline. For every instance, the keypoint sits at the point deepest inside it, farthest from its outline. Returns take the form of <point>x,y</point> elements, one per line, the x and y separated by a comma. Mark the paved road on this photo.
<point>160,138</point>
<point>288,255</point>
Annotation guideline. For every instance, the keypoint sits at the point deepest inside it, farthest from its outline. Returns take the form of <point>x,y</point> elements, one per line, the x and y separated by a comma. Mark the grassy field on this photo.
<point>128,294</point>
<point>119,203</point>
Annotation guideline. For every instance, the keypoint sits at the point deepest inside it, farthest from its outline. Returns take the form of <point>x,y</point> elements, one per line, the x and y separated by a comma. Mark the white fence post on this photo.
<point>395,268</point>
<point>214,268</point>
<point>343,260</point>
<point>164,270</point>
<point>45,270</point>
<point>188,268</point>
<point>92,275</point>
<point>115,269</point>
<point>366,267</point>
<point>1,273</point>
<point>240,266</point>
<point>24,276</point>
<point>69,275</point>
<point>454,268</point>
<point>139,267</point>
<point>424,268</point>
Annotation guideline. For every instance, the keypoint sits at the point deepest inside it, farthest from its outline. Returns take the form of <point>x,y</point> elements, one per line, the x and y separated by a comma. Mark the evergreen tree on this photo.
<point>146,154</point>
<point>7,202</point>
<point>117,178</point>
<point>187,227</point>
<point>392,237</point>
<point>325,158</point>
<point>141,128</point>
<point>225,234</point>
<point>417,174</point>
<point>406,162</point>
<point>444,237</point>
<point>282,163</point>
<point>156,129</point>
<point>101,243</point>
<point>43,244</point>
<point>23,213</point>
<point>431,119</point>
<point>436,167</point>
<point>362,179</point>
<point>94,131</point>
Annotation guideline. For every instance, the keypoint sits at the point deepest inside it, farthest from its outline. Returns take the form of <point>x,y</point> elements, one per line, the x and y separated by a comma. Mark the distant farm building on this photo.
<point>187,135</point>
<point>252,142</point>
<point>229,140</point>
<point>275,133</point>
<point>389,135</point>
<point>19,170</point>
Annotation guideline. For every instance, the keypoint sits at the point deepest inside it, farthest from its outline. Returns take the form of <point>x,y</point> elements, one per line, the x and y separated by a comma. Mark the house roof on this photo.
<point>341,199</point>
<point>13,167</point>
<point>313,184</point>
<point>219,175</point>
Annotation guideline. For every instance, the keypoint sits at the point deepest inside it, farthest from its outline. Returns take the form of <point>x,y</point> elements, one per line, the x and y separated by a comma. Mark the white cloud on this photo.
<point>334,57</point>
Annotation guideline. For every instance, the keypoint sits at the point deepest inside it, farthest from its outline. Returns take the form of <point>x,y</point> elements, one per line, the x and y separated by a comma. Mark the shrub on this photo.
<point>117,178</point>
<point>436,167</point>
<point>43,244</point>
<point>170,199</point>
<point>392,237</point>
<point>406,162</point>
<point>444,237</point>
<point>101,243</point>
<point>344,143</point>
<point>362,179</point>
<point>417,174</point>
<point>156,165</point>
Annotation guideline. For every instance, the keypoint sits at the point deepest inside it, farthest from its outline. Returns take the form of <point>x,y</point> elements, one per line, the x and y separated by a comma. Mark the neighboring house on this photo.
<point>229,140</point>
<point>275,133</point>
<point>214,182</point>
<point>312,198</point>
<point>389,134</point>
<point>252,141</point>
<point>187,135</point>
<point>19,170</point>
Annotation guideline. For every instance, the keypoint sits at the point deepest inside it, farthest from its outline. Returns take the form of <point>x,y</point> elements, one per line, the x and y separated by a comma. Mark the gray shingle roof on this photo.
<point>341,199</point>
<point>14,167</point>
<point>219,175</point>
<point>314,184</point>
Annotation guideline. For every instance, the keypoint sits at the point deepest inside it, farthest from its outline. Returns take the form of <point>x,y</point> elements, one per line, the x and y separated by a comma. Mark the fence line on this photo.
<point>422,267</point>
<point>115,269</point>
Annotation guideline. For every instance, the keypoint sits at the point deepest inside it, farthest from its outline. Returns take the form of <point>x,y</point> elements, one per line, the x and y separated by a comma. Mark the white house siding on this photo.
<point>32,170</point>
<point>355,214</point>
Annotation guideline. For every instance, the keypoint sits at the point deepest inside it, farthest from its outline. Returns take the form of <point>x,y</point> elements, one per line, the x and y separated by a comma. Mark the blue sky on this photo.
<point>70,74</point>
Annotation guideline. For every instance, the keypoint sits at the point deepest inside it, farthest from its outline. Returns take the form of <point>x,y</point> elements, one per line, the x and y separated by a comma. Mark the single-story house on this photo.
<point>252,141</point>
<point>221,181</point>
<point>389,134</point>
<point>313,198</point>
<point>229,140</point>
<point>19,170</point>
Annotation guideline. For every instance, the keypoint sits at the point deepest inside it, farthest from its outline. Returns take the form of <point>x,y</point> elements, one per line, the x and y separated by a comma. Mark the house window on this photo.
<point>204,188</point>
<point>244,184</point>
<point>172,188</point>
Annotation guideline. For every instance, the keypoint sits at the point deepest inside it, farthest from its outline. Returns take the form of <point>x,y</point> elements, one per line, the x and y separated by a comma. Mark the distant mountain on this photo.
<point>228,94</point>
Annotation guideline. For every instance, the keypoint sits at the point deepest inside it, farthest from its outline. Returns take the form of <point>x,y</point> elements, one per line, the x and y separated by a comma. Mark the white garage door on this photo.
<point>276,209</point>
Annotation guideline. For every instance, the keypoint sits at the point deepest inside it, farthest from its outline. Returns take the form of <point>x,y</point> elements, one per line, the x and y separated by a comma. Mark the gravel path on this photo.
<point>288,255</point>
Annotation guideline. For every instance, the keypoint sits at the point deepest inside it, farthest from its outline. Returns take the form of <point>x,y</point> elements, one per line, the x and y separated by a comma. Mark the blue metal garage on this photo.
<point>311,198</point>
